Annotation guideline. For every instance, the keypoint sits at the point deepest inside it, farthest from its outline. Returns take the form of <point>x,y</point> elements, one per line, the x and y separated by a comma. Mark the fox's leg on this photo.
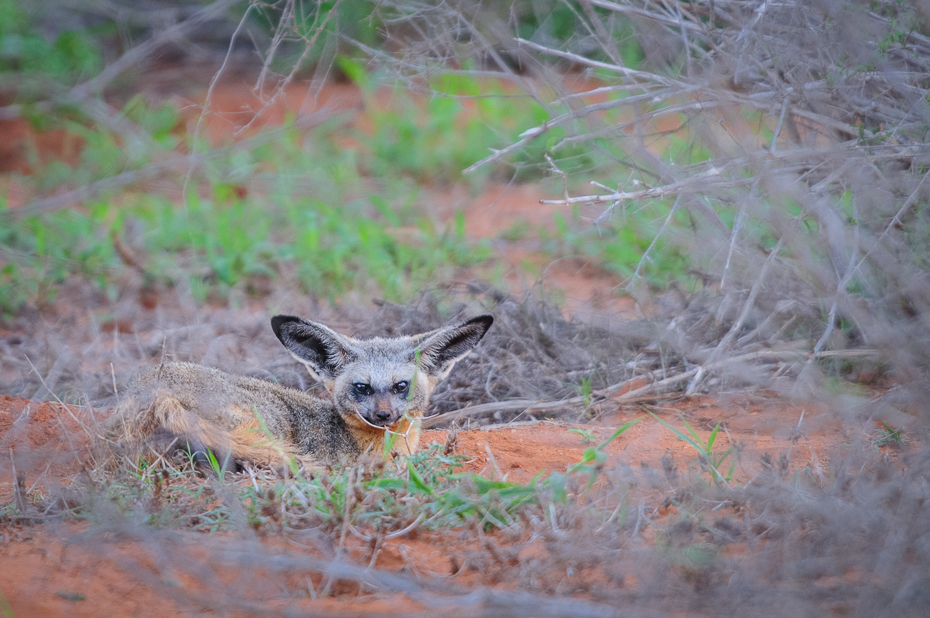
<point>241,437</point>
<point>250,440</point>
<point>167,419</point>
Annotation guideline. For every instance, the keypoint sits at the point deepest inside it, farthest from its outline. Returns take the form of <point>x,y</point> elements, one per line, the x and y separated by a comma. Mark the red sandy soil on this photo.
<point>47,571</point>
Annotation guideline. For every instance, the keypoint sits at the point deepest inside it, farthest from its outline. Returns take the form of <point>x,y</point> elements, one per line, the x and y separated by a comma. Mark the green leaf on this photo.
<point>696,437</point>
<point>557,483</point>
<point>617,433</point>
<point>354,70</point>
<point>679,433</point>
<point>418,481</point>
<point>713,436</point>
<point>391,483</point>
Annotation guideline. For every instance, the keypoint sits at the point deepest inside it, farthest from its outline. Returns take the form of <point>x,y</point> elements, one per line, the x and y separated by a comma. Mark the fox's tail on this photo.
<point>162,424</point>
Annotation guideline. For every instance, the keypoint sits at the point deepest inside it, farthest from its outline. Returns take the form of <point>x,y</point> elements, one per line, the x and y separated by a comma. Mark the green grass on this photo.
<point>221,244</point>
<point>329,240</point>
<point>310,210</point>
<point>333,240</point>
<point>889,436</point>
<point>427,491</point>
<point>710,460</point>
<point>432,139</point>
<point>26,52</point>
<point>587,435</point>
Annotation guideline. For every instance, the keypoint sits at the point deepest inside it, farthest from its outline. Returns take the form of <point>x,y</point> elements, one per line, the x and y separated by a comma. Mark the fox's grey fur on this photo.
<point>378,386</point>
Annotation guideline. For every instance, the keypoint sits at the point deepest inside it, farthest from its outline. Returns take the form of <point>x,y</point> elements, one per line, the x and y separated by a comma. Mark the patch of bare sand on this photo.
<point>44,439</point>
<point>762,426</point>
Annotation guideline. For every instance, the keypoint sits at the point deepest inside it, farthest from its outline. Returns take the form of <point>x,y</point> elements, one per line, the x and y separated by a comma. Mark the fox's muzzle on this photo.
<point>382,418</point>
<point>382,414</point>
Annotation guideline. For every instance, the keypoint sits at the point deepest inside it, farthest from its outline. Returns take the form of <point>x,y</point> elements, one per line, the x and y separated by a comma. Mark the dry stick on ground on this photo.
<point>154,170</point>
<point>747,307</point>
<point>435,594</point>
<point>638,395</point>
<point>19,481</point>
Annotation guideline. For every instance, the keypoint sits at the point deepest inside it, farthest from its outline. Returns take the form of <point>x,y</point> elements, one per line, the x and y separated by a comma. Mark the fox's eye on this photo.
<point>362,389</point>
<point>400,388</point>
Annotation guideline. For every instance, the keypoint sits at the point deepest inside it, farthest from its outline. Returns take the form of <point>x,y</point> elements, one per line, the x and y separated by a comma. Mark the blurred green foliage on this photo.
<point>24,51</point>
<point>328,241</point>
<point>332,238</point>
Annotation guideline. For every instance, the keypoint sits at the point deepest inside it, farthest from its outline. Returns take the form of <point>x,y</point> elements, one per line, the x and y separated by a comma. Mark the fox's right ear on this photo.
<point>441,348</point>
<point>322,350</point>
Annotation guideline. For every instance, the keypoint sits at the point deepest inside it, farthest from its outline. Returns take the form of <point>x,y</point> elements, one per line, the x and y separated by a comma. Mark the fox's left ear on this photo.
<point>322,350</point>
<point>440,349</point>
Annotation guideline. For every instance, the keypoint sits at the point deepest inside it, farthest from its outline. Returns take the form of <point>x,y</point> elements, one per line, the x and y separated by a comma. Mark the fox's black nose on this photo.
<point>382,415</point>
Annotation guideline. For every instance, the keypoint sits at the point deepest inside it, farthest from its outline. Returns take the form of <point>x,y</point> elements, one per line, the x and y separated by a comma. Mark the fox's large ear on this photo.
<point>322,350</point>
<point>440,349</point>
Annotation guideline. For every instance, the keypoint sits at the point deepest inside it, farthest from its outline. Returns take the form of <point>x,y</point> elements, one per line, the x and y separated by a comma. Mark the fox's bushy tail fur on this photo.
<point>151,426</point>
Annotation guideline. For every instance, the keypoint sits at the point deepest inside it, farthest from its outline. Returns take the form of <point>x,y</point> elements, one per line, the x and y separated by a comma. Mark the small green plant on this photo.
<point>218,469</point>
<point>586,391</point>
<point>889,436</point>
<point>384,498</point>
<point>591,464</point>
<point>6,610</point>
<point>587,435</point>
<point>710,460</point>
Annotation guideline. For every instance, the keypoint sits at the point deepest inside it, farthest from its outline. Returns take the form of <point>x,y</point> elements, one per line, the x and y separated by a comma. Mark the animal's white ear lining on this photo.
<point>322,350</point>
<point>439,353</point>
<point>310,368</point>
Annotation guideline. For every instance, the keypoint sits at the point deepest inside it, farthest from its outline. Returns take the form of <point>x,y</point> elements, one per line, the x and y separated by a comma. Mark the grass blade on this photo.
<point>713,436</point>
<point>617,433</point>
<point>697,438</point>
<point>698,447</point>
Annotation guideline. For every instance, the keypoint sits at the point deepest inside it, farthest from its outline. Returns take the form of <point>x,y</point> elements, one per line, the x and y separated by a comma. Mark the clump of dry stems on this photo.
<point>806,225</point>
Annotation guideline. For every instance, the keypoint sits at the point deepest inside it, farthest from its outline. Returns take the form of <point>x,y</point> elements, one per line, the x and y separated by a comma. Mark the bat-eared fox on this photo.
<point>379,387</point>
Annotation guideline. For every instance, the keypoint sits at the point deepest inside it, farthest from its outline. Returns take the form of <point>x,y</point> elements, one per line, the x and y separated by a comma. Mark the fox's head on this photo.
<point>378,380</point>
